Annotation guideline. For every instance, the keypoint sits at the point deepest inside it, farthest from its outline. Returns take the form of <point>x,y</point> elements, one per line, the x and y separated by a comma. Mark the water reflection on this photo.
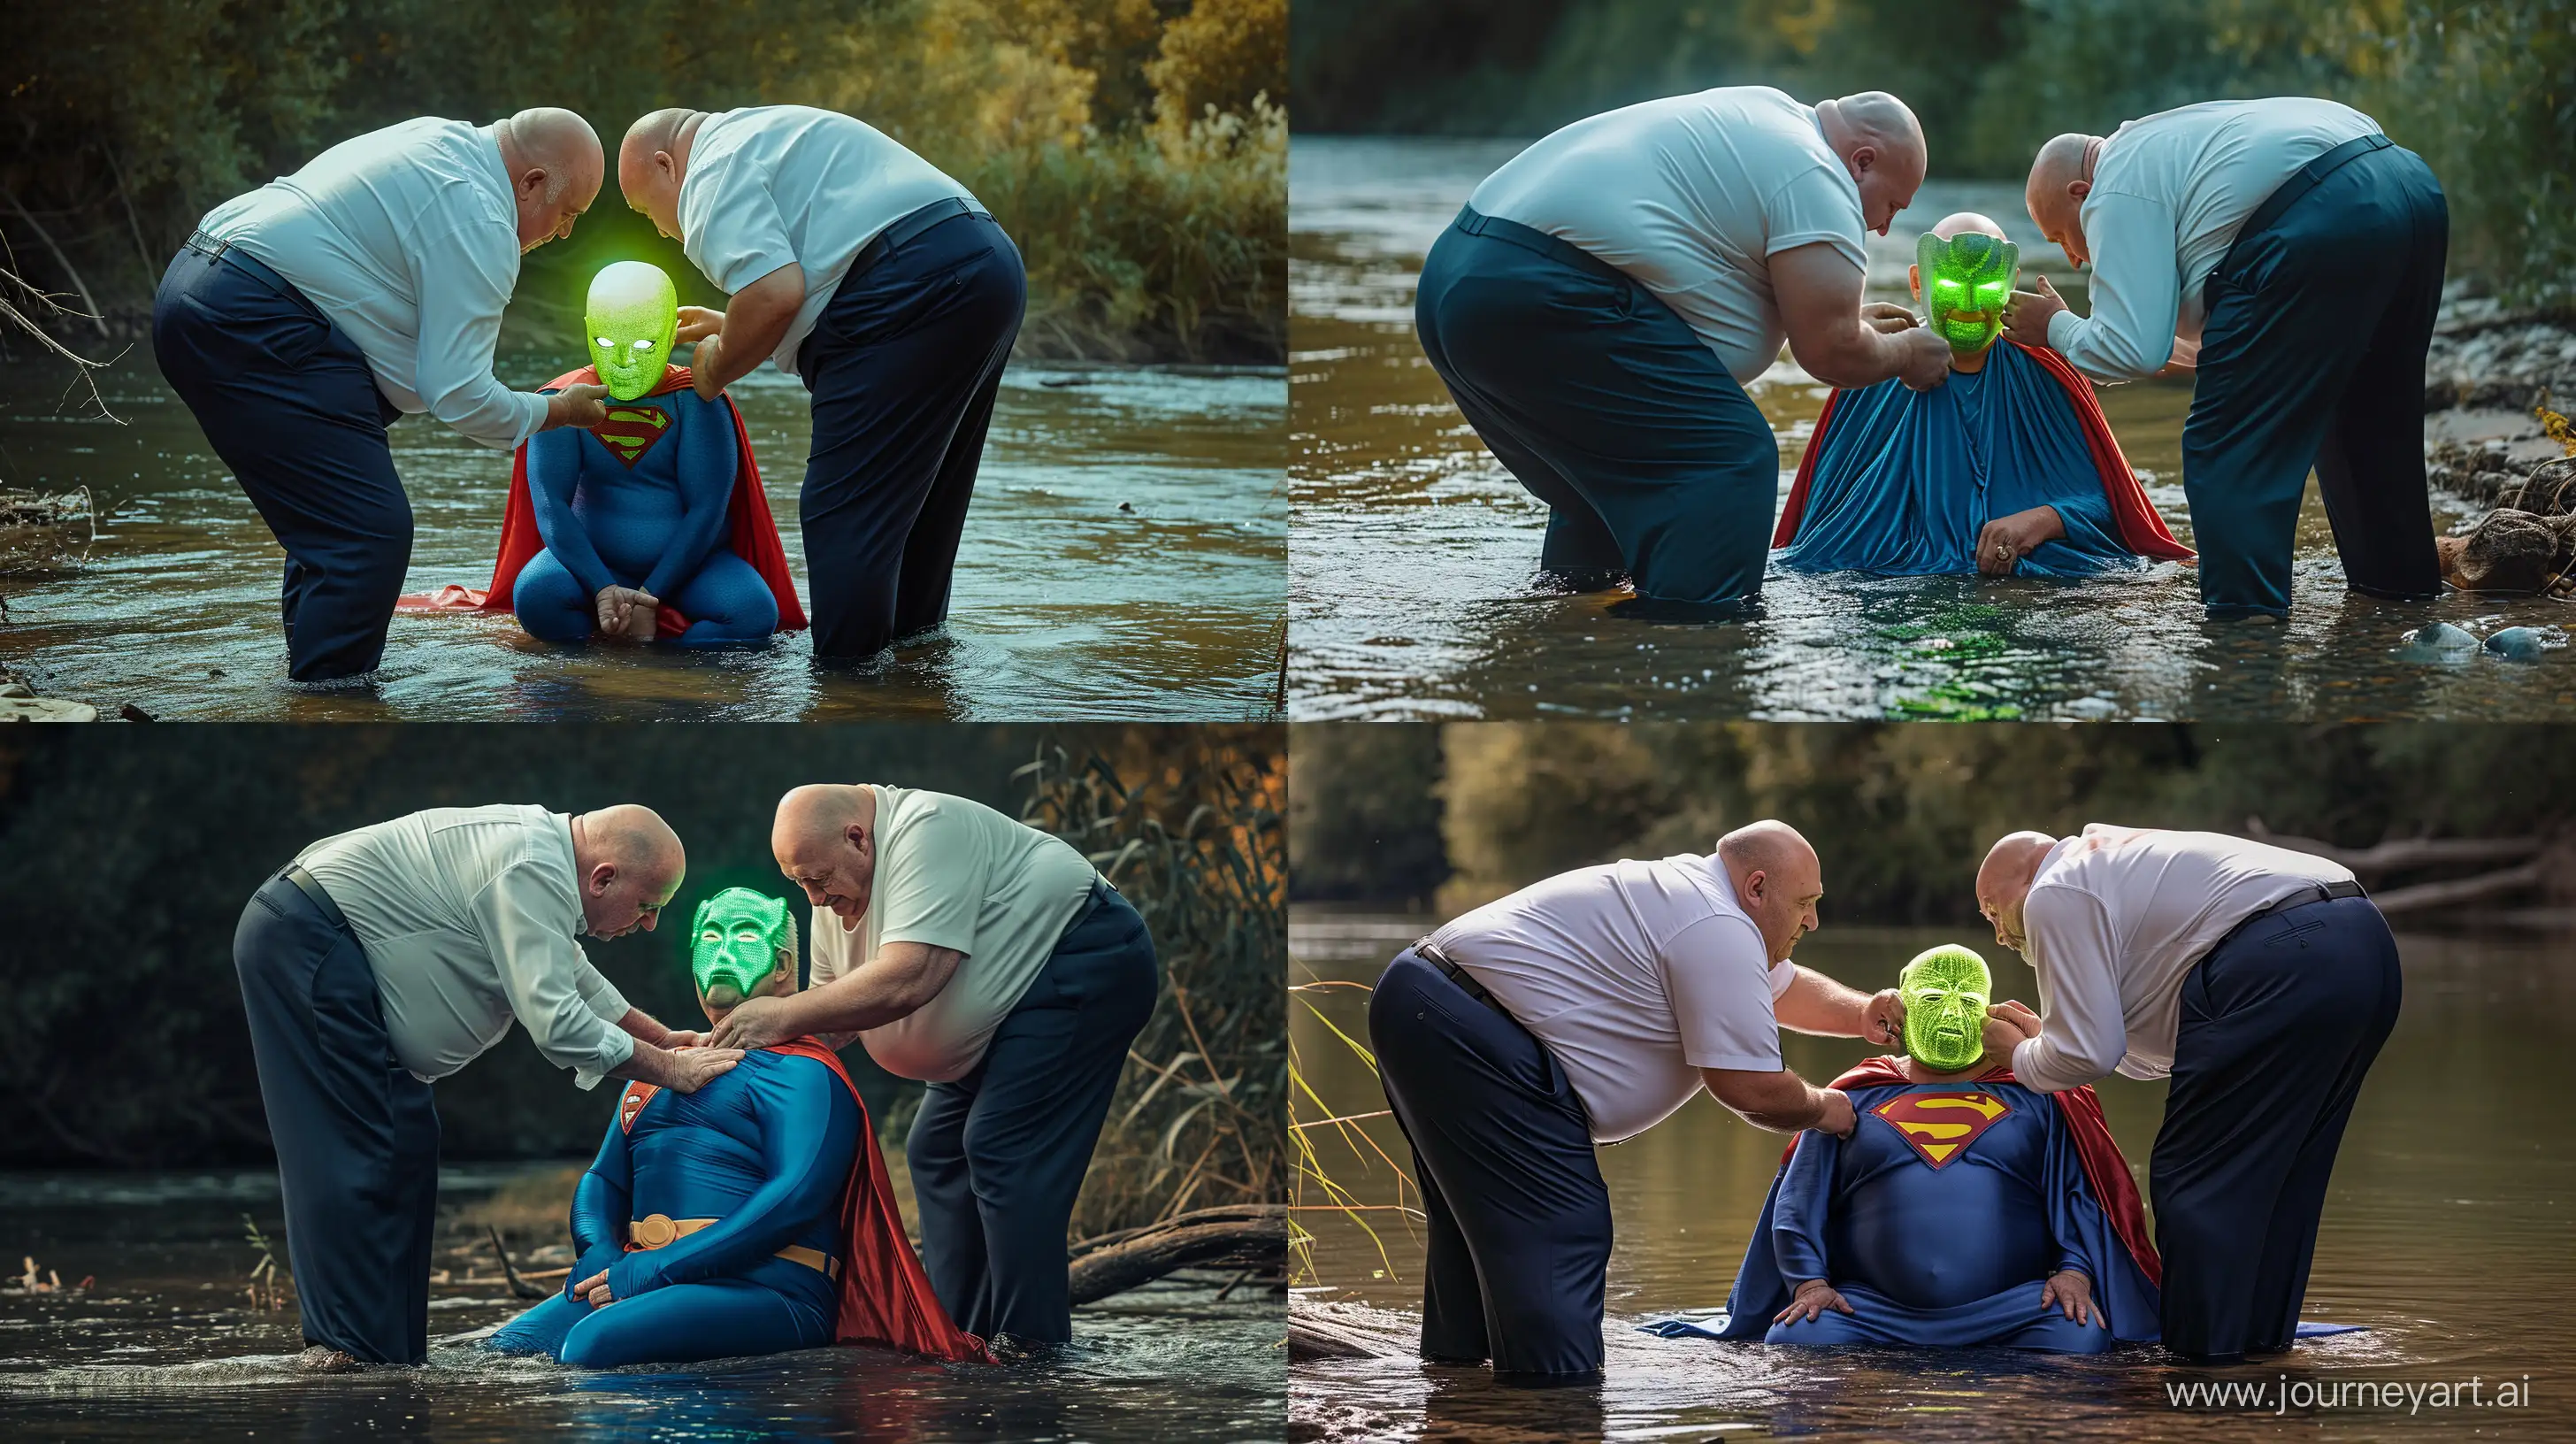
<point>1125,558</point>
<point>2445,1234</point>
<point>1414,590</point>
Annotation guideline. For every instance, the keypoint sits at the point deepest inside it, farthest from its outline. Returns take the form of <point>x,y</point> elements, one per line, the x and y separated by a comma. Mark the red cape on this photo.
<point>885,1295</point>
<point>754,536</point>
<point>2104,1168</point>
<point>2132,515</point>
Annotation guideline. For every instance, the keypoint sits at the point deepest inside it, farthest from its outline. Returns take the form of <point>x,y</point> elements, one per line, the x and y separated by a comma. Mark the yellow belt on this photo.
<point>660,1230</point>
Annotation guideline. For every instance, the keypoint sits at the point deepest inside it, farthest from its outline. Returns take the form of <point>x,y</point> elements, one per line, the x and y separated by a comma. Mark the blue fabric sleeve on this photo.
<point>554,473</point>
<point>601,1202</point>
<point>707,461</point>
<point>2087,515</point>
<point>1806,1199</point>
<point>2072,1213</point>
<point>809,1133</point>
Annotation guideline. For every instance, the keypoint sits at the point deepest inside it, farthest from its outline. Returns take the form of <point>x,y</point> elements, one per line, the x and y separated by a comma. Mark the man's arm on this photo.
<point>462,288</point>
<point>600,1205</point>
<point>554,474</point>
<point>2085,1031</point>
<point>1818,290</point>
<point>1780,1101</point>
<point>707,457</point>
<point>899,979</point>
<point>755,321</point>
<point>2136,293</point>
<point>1814,1003</point>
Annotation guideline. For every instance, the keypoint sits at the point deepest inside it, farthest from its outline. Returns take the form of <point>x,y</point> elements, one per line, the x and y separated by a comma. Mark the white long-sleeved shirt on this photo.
<point>469,917</point>
<point>1635,975</point>
<point>768,185</point>
<point>1692,195</point>
<point>2116,919</point>
<point>2170,192</point>
<point>408,240</point>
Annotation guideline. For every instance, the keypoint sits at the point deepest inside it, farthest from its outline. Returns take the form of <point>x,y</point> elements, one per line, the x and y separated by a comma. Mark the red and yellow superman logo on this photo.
<point>630,431</point>
<point>1940,1126</point>
<point>637,1095</point>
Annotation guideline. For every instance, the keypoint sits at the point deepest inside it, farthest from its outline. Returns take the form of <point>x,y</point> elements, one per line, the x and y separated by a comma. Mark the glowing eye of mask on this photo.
<point>739,937</point>
<point>634,316</point>
<point>1972,273</point>
<point>1945,991</point>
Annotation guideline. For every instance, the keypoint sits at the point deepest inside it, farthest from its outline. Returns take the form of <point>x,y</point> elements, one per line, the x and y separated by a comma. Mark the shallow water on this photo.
<point>2445,1233</point>
<point>1415,592</point>
<point>166,1345</point>
<point>1124,558</point>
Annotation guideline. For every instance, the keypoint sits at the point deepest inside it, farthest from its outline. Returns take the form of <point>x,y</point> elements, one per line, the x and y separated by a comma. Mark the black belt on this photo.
<point>216,248</point>
<point>311,887</point>
<point>1466,981</point>
<point>2291,191</point>
<point>912,224</point>
<point>2322,892</point>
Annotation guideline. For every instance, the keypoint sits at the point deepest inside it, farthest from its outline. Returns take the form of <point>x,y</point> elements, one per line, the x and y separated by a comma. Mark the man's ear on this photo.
<point>1754,883</point>
<point>1914,281</point>
<point>602,878</point>
<point>2079,189</point>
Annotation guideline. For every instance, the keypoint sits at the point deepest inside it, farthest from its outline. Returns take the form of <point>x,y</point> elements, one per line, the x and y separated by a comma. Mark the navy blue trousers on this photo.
<point>288,402</point>
<point>1502,1149</point>
<point>998,1155</point>
<point>2313,356</point>
<point>2279,1023</point>
<point>1653,462</point>
<point>904,365</point>
<point>356,1135</point>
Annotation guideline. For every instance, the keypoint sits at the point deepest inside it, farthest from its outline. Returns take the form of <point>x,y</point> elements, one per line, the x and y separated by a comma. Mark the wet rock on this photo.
<point>45,709</point>
<point>2436,642</point>
<point>131,713</point>
<point>2521,644</point>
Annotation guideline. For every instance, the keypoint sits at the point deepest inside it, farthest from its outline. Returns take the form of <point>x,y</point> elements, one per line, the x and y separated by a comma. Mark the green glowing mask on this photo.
<point>739,936</point>
<point>1945,991</point>
<point>634,313</point>
<point>1966,281</point>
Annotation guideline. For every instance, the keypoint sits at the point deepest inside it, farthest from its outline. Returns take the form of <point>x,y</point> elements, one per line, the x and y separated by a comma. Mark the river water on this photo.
<point>1415,590</point>
<point>1124,558</point>
<point>2445,1233</point>
<point>167,1345</point>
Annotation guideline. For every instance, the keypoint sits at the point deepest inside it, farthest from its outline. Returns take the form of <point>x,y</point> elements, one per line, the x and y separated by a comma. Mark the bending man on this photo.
<point>1600,304</point>
<point>2263,982</point>
<point>301,319</point>
<point>384,959</point>
<point>1580,1010</point>
<point>989,960</point>
<point>857,265</point>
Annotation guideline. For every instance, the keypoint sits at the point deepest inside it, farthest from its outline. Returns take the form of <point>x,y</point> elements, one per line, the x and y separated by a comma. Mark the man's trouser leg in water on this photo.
<point>1608,407</point>
<point>356,1134</point>
<point>1519,1215</point>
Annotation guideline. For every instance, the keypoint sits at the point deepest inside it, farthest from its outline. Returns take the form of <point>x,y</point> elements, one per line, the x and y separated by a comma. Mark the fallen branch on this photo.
<point>95,317</point>
<point>2426,896</point>
<point>1348,1331</point>
<point>519,1288</point>
<point>1253,1236</point>
<point>2403,854</point>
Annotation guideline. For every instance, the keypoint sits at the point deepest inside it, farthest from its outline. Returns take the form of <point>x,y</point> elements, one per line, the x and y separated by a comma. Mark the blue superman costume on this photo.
<point>753,1216</point>
<point>1900,482</point>
<point>664,498</point>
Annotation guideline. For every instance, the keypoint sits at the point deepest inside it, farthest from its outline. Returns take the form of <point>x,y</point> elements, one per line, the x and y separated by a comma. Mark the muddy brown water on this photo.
<point>1415,591</point>
<point>2446,1233</point>
<point>1125,557</point>
<point>167,1345</point>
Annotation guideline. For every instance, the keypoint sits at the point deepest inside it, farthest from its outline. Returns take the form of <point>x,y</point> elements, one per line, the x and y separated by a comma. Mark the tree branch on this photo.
<point>2403,854</point>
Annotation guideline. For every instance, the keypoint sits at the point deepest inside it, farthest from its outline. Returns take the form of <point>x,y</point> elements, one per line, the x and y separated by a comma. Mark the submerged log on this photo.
<point>1333,1330</point>
<point>1244,1236</point>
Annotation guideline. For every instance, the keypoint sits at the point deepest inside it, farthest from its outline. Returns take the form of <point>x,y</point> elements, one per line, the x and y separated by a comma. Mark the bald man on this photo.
<point>2263,982</point>
<point>1600,304</point>
<point>2291,253</point>
<point>384,959</point>
<point>300,320</point>
<point>992,962</point>
<point>1585,1009</point>
<point>863,270</point>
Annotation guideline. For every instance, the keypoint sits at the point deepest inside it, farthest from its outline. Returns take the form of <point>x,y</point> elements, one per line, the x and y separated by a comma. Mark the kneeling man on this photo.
<point>1966,1209</point>
<point>2009,468</point>
<point>751,1217</point>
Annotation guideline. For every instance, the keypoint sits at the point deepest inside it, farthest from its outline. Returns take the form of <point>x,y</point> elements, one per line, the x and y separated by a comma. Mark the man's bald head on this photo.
<point>630,863</point>
<point>825,839</point>
<point>2055,192</point>
<point>1778,881</point>
<point>1881,144</point>
<point>1961,223</point>
<point>555,167</point>
<point>2003,882</point>
<point>653,160</point>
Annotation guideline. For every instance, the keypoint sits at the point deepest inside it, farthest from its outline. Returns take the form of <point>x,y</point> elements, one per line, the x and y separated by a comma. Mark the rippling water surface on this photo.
<point>1415,590</point>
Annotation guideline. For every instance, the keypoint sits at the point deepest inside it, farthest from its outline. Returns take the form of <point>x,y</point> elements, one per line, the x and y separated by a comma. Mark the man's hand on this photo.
<point>755,1023</point>
<point>697,323</point>
<point>1814,1297</point>
<point>595,1289</point>
<point>1883,1019</point>
<point>1887,318</point>
<point>2007,539</point>
<point>2073,1292</point>
<point>702,368</point>
<point>1926,362</point>
<point>583,406</point>
<point>694,1068</point>
<point>2026,315</point>
<point>1839,1119</point>
<point>643,616</point>
<point>2008,1024</point>
<point>615,607</point>
<point>683,1038</point>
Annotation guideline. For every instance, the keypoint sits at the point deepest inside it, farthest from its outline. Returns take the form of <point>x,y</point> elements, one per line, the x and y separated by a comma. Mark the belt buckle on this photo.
<point>655,1230</point>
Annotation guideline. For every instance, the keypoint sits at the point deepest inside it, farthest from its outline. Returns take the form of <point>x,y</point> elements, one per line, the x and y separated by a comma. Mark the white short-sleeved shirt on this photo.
<point>2170,192</point>
<point>1692,195</point>
<point>2116,919</point>
<point>771,185</point>
<point>952,873</point>
<point>1635,975</point>
<point>407,238</point>
<point>470,917</point>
